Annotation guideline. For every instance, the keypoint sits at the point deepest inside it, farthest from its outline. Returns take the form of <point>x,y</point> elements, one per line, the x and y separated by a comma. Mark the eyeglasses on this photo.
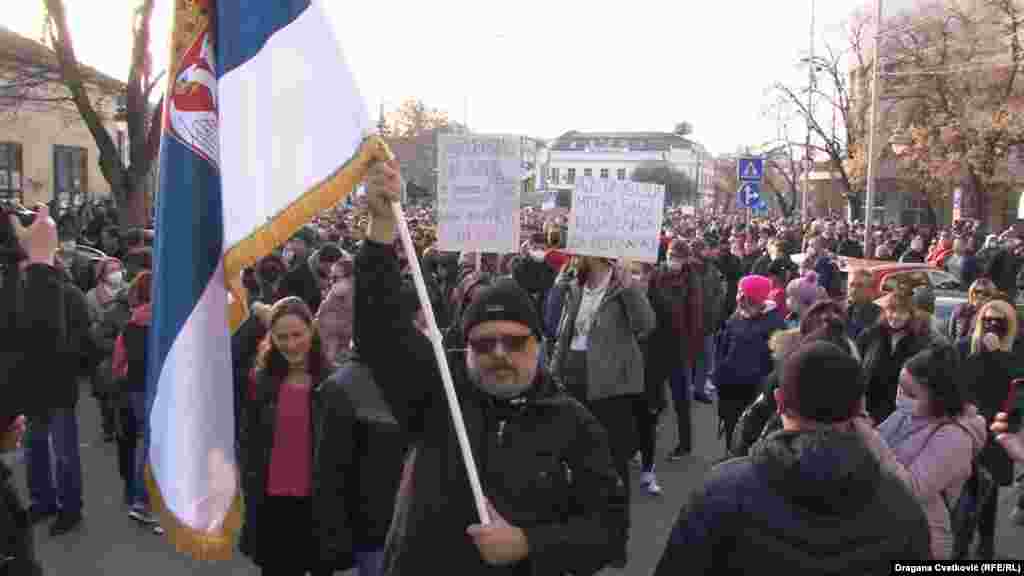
<point>509,343</point>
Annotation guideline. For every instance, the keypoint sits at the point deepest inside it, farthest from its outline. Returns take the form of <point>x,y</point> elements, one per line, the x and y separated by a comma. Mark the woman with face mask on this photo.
<point>109,311</point>
<point>988,370</point>
<point>899,334</point>
<point>931,439</point>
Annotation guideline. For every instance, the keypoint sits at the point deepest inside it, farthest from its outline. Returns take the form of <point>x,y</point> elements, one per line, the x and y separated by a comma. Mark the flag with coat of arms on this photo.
<point>263,128</point>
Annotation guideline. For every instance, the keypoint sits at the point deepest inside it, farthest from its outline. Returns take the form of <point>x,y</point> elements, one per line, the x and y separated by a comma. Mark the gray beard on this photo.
<point>503,391</point>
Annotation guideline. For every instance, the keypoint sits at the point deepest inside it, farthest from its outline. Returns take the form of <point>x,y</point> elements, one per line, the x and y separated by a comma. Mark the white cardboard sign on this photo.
<point>478,193</point>
<point>616,219</point>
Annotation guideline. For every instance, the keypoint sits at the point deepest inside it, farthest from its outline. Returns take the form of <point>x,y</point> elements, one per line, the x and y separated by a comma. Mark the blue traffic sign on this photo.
<point>750,193</point>
<point>750,169</point>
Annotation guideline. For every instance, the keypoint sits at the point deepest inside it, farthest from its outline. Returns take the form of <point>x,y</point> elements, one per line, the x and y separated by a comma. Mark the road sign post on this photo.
<point>750,171</point>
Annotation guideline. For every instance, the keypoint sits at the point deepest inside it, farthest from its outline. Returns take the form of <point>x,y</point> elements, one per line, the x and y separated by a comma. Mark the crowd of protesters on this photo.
<point>852,424</point>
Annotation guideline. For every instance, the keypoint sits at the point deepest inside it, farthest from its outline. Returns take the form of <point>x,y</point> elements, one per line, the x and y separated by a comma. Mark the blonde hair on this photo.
<point>980,284</point>
<point>1009,312</point>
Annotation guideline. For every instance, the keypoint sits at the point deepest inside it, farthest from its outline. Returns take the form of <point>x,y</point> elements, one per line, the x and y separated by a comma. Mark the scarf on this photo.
<point>684,293</point>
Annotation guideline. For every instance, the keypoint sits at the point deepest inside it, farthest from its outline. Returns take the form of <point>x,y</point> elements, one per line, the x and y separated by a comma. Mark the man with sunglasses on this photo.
<point>556,503</point>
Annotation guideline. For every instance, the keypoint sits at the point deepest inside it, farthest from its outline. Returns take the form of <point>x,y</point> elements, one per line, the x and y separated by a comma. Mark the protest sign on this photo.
<point>478,193</point>
<point>616,219</point>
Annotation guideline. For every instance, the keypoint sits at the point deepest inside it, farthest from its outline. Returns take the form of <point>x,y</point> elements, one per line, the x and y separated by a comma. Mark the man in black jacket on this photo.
<point>811,498</point>
<point>60,493</point>
<point>33,329</point>
<point>555,501</point>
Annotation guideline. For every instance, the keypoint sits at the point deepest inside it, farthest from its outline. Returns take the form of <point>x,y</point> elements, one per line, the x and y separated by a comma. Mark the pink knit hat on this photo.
<point>756,288</point>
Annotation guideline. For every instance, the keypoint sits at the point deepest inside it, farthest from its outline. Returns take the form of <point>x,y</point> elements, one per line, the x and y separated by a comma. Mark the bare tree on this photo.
<point>127,180</point>
<point>836,123</point>
<point>678,185</point>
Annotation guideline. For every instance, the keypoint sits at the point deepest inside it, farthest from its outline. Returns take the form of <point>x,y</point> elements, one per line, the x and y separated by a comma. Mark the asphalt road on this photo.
<point>109,543</point>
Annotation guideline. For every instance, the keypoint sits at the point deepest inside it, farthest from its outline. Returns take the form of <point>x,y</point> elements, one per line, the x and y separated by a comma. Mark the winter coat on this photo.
<point>334,536</point>
<point>882,364</point>
<point>335,317</point>
<point>988,376</point>
<point>544,461</point>
<point>933,458</point>
<point>353,414</point>
<point>804,503</point>
<point>615,365</point>
<point>713,295</point>
<point>128,365</point>
<point>862,316</point>
<point>300,281</point>
<point>743,360</point>
<point>677,300</point>
<point>34,329</point>
<point>108,321</point>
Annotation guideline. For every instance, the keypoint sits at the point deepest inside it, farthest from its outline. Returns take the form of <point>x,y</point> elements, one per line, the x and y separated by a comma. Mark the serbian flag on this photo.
<point>263,128</point>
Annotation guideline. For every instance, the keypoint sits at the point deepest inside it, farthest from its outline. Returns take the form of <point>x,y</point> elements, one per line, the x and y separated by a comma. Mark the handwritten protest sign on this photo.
<point>478,193</point>
<point>616,219</point>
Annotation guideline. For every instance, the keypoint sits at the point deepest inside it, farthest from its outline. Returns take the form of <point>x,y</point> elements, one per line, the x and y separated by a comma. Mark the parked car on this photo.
<point>887,275</point>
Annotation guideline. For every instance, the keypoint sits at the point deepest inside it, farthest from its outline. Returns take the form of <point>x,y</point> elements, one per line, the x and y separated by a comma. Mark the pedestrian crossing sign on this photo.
<point>751,169</point>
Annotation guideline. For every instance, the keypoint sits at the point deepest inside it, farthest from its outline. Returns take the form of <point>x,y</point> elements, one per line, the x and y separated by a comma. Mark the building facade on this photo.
<point>46,151</point>
<point>617,155</point>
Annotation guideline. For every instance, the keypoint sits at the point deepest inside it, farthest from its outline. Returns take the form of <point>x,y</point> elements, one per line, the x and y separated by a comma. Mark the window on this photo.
<point>620,174</point>
<point>588,172</point>
<point>10,171</point>
<point>570,175</point>
<point>604,173</point>
<point>554,175</point>
<point>70,175</point>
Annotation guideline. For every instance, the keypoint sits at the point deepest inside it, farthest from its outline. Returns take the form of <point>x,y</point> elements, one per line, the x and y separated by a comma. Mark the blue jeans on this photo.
<point>370,562</point>
<point>680,381</point>
<point>136,489</point>
<point>61,491</point>
<point>709,355</point>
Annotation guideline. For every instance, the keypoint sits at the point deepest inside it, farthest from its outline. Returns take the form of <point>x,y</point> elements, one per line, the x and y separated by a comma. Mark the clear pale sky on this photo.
<point>539,67</point>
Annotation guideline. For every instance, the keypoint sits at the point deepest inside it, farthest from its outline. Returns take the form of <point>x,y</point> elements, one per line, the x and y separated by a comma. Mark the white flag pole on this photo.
<point>442,364</point>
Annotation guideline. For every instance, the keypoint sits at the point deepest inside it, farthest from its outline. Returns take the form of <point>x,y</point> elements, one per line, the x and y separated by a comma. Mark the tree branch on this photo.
<point>71,75</point>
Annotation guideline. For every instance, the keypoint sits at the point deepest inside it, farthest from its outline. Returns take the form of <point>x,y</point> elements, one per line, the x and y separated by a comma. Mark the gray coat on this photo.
<point>615,365</point>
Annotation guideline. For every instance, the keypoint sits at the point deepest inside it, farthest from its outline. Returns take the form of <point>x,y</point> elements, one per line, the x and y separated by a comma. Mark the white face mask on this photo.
<point>115,279</point>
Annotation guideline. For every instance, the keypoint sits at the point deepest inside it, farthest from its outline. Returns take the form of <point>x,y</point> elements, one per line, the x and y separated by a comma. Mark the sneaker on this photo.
<point>650,483</point>
<point>65,522</point>
<point>142,516</point>
<point>677,454</point>
<point>158,530</point>
<point>37,514</point>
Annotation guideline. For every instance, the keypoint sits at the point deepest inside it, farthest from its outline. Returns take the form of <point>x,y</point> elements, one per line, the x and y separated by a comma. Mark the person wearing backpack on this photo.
<point>931,440</point>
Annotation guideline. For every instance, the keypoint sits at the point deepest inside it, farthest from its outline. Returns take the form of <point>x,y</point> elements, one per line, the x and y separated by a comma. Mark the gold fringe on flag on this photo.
<point>280,228</point>
<point>200,545</point>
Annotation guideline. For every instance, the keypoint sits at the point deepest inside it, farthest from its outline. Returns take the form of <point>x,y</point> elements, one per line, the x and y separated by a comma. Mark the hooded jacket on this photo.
<point>544,461</point>
<point>933,458</point>
<point>812,503</point>
<point>761,418</point>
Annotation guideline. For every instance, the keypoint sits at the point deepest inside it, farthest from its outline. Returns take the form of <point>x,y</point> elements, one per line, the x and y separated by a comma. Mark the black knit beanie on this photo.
<point>503,300</point>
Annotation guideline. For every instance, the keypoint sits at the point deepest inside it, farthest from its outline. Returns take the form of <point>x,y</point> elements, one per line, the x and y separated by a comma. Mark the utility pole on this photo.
<point>876,89</point>
<point>808,161</point>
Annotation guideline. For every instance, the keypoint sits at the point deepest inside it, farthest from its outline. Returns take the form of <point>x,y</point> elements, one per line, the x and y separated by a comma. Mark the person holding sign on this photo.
<point>555,502</point>
<point>598,355</point>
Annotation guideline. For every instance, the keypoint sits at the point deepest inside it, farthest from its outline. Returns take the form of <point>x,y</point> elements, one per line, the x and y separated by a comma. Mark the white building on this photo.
<point>617,154</point>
